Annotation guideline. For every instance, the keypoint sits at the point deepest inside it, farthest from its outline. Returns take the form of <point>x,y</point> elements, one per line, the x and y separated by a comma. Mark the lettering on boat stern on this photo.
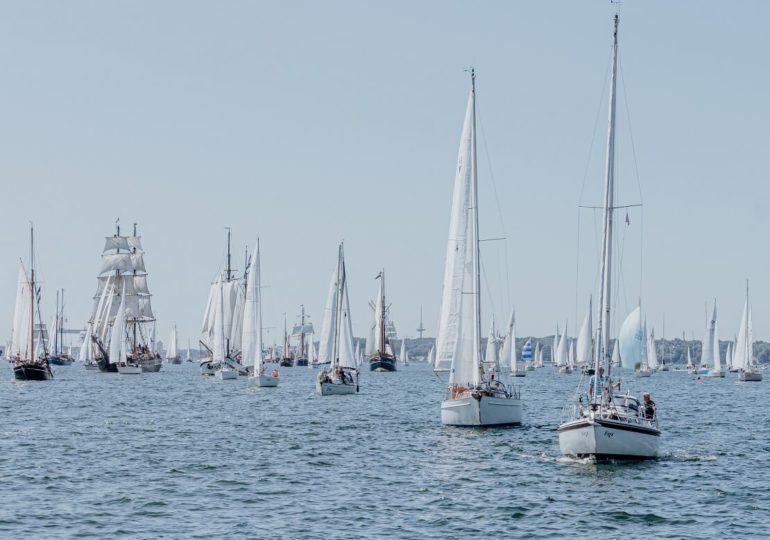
<point>608,434</point>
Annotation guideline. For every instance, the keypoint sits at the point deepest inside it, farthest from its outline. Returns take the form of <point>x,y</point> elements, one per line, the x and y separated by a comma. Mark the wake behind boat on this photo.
<point>471,398</point>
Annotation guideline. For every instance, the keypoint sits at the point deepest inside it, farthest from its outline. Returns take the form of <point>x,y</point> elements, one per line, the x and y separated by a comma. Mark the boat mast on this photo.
<point>746,339</point>
<point>61,323</point>
<point>33,295</point>
<point>383,348</point>
<point>228,276</point>
<point>602,355</point>
<point>475,239</point>
<point>340,286</point>
<point>134,325</point>
<point>56,327</point>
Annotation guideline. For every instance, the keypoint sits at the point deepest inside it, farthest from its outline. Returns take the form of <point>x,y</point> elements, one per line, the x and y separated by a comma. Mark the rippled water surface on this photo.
<point>176,455</point>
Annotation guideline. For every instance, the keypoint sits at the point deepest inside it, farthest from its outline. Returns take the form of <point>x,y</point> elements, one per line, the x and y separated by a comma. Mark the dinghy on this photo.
<point>604,425</point>
<point>27,351</point>
<point>471,399</point>
<point>336,347</point>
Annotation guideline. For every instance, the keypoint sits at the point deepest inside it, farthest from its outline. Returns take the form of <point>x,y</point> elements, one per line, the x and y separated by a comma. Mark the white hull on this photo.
<point>607,440</point>
<point>226,374</point>
<point>643,372</point>
<point>130,370</point>
<point>529,368</point>
<point>332,389</point>
<point>519,373</point>
<point>267,381</point>
<point>751,376</point>
<point>565,369</point>
<point>485,411</point>
<point>716,374</point>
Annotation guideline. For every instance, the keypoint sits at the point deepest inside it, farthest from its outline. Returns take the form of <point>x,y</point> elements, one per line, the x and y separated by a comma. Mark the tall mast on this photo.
<point>383,348</point>
<point>602,351</point>
<point>56,326</point>
<point>61,323</point>
<point>340,288</point>
<point>229,270</point>
<point>746,338</point>
<point>33,298</point>
<point>475,238</point>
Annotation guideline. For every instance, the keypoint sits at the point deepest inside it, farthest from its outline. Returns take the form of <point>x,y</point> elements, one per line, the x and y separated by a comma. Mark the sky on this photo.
<point>305,123</point>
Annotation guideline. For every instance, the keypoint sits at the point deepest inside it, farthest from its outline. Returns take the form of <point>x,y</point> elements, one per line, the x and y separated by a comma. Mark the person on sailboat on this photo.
<point>648,406</point>
<point>592,383</point>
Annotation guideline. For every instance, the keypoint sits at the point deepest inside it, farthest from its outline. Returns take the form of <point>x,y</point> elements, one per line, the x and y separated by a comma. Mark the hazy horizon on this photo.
<point>308,123</point>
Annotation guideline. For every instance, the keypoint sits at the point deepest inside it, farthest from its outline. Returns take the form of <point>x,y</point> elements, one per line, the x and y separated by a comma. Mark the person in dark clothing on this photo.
<point>648,406</point>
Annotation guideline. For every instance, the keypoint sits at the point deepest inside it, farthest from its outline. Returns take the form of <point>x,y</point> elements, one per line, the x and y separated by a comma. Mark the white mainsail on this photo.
<point>490,357</point>
<point>584,345</point>
<point>708,356</point>
<point>510,338</point>
<point>652,353</point>
<point>312,356</point>
<point>538,357</point>
<point>689,358</point>
<point>218,351</point>
<point>20,333</point>
<point>555,347</point>
<point>172,344</point>
<point>448,340</point>
<point>616,354</point>
<point>326,344</point>
<point>562,349</point>
<point>401,356</point>
<point>118,335</point>
<point>251,338</point>
<point>743,355</point>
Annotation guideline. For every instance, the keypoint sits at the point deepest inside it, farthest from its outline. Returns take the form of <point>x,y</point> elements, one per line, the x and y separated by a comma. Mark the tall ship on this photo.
<point>220,340</point>
<point>287,359</point>
<point>122,290</point>
<point>303,332</point>
<point>28,351</point>
<point>58,357</point>
<point>381,357</point>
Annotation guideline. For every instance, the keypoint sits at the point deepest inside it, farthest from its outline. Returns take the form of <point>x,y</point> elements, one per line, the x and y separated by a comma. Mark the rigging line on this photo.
<point>497,201</point>
<point>596,125</point>
<point>577,265</point>
<point>489,290</point>
<point>630,132</point>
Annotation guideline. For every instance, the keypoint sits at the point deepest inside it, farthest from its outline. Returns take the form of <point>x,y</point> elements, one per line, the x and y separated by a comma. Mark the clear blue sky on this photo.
<point>309,122</point>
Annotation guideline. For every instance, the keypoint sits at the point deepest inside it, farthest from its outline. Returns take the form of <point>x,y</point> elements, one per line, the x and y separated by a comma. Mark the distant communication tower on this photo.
<point>420,329</point>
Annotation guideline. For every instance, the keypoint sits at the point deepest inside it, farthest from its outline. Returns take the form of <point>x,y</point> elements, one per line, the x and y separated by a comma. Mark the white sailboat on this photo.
<point>471,399</point>
<point>585,340</point>
<point>336,346</point>
<point>690,367</point>
<point>312,354</point>
<point>222,370</point>
<point>554,347</point>
<point>711,361</point>
<point>538,356</point>
<point>606,425</point>
<point>649,358</point>
<point>490,354</point>
<point>404,356</point>
<point>616,354</point>
<point>172,354</point>
<point>744,346</point>
<point>251,339</point>
<point>562,353</point>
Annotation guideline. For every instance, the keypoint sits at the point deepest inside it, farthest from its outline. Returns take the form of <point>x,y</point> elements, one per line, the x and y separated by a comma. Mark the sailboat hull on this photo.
<point>643,372</point>
<point>604,439</point>
<point>32,372</point>
<point>266,381</point>
<point>61,361</point>
<point>382,363</point>
<point>480,411</point>
<point>519,373</point>
<point>334,389</point>
<point>103,363</point>
<point>130,370</point>
<point>751,376</point>
<point>286,362</point>
<point>175,360</point>
<point>716,373</point>
<point>226,374</point>
<point>151,365</point>
<point>301,362</point>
